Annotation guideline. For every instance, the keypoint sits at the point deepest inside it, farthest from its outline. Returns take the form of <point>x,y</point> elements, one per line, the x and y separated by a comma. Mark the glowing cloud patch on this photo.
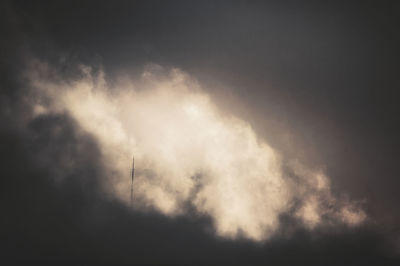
<point>188,152</point>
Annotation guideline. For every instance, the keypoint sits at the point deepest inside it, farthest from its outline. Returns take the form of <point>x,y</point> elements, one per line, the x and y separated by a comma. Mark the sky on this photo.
<point>263,132</point>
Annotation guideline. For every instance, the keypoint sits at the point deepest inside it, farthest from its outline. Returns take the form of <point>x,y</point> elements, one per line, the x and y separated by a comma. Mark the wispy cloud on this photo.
<point>188,152</point>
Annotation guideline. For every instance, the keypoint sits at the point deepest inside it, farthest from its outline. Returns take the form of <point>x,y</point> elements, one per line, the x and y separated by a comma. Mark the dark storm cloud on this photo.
<point>328,72</point>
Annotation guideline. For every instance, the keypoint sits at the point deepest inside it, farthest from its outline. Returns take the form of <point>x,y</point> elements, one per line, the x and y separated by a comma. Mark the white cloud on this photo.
<point>187,151</point>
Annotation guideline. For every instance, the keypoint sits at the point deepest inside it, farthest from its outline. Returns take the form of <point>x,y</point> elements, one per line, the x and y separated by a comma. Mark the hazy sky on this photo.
<point>263,132</point>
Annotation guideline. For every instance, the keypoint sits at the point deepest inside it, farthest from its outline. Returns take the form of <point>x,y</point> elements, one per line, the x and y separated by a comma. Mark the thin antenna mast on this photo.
<point>133,176</point>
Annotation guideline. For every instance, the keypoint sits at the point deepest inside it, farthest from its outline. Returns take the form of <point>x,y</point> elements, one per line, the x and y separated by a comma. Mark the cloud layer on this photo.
<point>188,154</point>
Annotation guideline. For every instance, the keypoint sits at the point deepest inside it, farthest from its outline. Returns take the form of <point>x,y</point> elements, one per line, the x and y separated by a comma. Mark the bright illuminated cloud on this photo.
<point>187,152</point>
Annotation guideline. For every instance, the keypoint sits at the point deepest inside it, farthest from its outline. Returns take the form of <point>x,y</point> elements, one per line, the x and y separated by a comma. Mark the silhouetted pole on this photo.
<point>133,176</point>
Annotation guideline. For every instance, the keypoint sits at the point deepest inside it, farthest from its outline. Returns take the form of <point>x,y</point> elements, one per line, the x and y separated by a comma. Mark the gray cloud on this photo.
<point>323,74</point>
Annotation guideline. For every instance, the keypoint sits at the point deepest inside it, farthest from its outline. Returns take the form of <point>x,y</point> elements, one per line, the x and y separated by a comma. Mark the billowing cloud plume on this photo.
<point>188,154</point>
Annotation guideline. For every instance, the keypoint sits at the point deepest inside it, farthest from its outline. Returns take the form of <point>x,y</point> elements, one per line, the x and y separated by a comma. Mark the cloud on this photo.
<point>188,152</point>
